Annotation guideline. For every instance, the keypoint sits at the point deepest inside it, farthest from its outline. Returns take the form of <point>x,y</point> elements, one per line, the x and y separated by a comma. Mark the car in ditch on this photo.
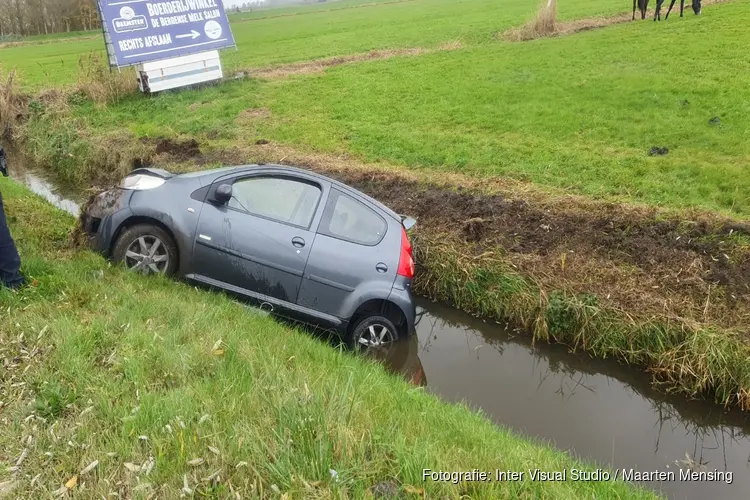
<point>294,242</point>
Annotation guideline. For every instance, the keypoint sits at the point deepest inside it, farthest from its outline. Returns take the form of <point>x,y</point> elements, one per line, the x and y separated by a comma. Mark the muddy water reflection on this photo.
<point>598,410</point>
<point>39,184</point>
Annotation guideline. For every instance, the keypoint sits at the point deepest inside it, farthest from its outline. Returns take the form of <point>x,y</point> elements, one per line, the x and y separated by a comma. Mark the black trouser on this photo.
<point>10,261</point>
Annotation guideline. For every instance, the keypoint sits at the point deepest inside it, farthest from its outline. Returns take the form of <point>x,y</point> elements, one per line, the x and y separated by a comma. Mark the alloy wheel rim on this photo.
<point>147,255</point>
<point>376,336</point>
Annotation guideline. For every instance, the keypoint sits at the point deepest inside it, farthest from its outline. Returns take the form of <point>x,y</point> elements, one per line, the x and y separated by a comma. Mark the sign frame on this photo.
<point>201,25</point>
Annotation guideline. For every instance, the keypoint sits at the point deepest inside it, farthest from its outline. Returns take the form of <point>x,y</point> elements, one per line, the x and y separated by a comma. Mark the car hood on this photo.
<point>156,172</point>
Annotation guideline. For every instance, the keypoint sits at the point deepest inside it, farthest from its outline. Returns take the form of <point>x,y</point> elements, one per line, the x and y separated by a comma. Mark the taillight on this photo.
<point>406,260</point>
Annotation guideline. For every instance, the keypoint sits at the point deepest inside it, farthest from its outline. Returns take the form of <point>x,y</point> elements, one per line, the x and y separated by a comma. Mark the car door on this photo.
<point>258,243</point>
<point>355,257</point>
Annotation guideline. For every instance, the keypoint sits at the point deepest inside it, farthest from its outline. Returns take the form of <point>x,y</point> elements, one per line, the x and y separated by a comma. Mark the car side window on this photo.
<point>348,219</point>
<point>282,199</point>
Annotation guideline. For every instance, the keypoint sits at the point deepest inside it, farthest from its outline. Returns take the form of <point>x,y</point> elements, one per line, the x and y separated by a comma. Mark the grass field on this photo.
<point>170,390</point>
<point>318,33</point>
<point>52,37</point>
<point>579,113</point>
<point>294,10</point>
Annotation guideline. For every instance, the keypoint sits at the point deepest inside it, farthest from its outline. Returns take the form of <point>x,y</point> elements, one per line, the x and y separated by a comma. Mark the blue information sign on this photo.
<point>149,30</point>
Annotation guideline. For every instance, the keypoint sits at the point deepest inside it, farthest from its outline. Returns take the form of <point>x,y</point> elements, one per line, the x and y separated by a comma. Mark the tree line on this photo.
<point>40,17</point>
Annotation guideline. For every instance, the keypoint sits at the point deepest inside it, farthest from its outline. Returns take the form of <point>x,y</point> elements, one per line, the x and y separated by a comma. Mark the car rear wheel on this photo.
<point>373,333</point>
<point>147,249</point>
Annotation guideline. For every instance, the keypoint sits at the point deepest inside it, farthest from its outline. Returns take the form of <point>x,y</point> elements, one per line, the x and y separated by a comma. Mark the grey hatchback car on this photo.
<point>297,243</point>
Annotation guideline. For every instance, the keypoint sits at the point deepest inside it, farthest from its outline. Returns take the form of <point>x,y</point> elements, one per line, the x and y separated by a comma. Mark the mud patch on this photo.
<point>676,261</point>
<point>473,230</point>
<point>141,163</point>
<point>658,151</point>
<point>179,149</point>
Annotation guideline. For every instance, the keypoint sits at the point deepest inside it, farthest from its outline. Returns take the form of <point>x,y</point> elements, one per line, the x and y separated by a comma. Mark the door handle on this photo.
<point>381,268</point>
<point>298,242</point>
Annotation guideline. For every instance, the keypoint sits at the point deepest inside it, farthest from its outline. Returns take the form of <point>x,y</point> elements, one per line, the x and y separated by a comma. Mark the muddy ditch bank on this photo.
<point>582,251</point>
<point>667,292</point>
<point>686,266</point>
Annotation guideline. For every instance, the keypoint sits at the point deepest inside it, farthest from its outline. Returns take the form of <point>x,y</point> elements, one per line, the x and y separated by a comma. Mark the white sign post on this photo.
<point>179,71</point>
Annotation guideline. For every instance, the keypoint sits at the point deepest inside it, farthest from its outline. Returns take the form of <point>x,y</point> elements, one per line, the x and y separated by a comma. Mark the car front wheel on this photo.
<point>373,333</point>
<point>147,249</point>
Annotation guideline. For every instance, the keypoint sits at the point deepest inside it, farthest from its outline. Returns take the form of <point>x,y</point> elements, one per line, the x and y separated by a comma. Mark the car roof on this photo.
<point>292,170</point>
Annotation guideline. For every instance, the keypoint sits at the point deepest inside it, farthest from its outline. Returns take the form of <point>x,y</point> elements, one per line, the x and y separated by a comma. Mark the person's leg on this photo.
<point>10,261</point>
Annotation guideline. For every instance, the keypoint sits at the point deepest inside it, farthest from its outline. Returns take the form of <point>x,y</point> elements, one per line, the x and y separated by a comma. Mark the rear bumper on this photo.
<point>401,295</point>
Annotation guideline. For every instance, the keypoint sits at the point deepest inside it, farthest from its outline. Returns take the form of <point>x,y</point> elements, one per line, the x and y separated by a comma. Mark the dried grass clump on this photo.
<point>100,84</point>
<point>11,105</point>
<point>542,25</point>
<point>545,24</point>
<point>451,45</point>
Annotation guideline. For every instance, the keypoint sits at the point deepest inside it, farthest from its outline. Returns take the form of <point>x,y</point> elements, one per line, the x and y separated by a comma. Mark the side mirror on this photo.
<point>223,193</point>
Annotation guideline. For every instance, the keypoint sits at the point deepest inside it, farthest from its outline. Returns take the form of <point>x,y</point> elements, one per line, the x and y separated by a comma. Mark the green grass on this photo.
<point>103,365</point>
<point>578,112</point>
<point>301,9</point>
<point>318,33</point>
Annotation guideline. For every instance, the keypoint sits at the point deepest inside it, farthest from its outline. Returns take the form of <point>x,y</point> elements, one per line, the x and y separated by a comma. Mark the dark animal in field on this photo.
<point>642,6</point>
<point>696,6</point>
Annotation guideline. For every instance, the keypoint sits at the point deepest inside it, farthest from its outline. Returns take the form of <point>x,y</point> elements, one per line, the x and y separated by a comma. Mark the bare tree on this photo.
<point>35,17</point>
<point>20,18</point>
<point>5,19</point>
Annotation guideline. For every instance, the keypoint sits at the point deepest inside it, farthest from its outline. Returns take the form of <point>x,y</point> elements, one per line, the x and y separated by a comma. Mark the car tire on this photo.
<point>136,245</point>
<point>373,331</point>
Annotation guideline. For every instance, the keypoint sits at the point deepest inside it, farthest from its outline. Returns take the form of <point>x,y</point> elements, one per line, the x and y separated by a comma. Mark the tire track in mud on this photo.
<point>320,65</point>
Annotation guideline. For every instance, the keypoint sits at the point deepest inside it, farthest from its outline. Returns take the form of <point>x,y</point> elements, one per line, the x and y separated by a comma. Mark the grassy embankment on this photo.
<point>564,223</point>
<point>168,387</point>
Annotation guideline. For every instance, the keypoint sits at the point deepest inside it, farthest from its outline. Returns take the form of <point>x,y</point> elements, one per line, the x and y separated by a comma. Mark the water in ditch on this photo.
<point>64,199</point>
<point>598,410</point>
<point>595,409</point>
